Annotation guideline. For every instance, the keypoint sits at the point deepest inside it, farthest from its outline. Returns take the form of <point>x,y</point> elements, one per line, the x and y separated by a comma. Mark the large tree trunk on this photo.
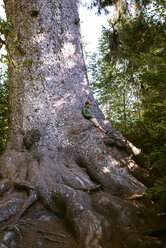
<point>52,151</point>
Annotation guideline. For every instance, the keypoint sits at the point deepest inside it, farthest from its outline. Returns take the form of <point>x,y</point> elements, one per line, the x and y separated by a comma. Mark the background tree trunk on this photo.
<point>53,153</point>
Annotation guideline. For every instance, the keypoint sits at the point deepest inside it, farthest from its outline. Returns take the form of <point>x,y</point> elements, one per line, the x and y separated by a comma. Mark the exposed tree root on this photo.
<point>15,228</point>
<point>53,154</point>
<point>52,233</point>
<point>5,186</point>
<point>10,231</point>
<point>31,198</point>
<point>45,235</point>
<point>77,209</point>
<point>68,189</point>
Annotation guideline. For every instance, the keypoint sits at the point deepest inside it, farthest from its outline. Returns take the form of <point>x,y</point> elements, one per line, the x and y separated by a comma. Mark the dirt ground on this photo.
<point>45,231</point>
<point>41,229</point>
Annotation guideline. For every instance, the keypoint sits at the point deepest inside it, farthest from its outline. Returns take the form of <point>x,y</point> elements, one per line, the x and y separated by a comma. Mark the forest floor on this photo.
<point>45,230</point>
<point>49,231</point>
<point>42,229</point>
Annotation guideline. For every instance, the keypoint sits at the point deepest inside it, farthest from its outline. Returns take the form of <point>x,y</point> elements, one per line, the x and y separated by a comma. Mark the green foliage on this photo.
<point>28,62</point>
<point>158,192</point>
<point>25,26</point>
<point>3,109</point>
<point>128,79</point>
<point>114,83</point>
<point>5,26</point>
<point>122,6</point>
<point>5,30</point>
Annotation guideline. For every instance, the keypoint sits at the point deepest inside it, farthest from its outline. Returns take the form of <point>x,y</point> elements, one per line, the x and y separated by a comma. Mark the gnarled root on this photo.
<point>31,198</point>
<point>66,182</point>
<point>76,207</point>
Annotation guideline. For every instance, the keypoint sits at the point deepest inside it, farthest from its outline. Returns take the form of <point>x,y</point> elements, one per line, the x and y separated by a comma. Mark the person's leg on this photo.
<point>95,122</point>
<point>101,129</point>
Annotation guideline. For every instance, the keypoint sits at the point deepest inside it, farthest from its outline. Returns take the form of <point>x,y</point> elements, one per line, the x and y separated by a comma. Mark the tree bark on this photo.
<point>53,153</point>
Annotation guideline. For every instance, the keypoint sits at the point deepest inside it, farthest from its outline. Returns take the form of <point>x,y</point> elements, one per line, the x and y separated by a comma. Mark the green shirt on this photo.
<point>87,113</point>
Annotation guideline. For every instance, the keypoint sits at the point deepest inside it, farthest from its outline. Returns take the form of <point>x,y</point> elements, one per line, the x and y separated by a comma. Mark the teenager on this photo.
<point>87,113</point>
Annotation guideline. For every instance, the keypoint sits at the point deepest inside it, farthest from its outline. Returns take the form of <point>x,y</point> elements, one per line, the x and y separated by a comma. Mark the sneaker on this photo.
<point>108,133</point>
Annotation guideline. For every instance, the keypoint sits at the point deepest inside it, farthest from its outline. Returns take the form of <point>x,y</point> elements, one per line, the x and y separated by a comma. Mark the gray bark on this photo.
<point>52,152</point>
